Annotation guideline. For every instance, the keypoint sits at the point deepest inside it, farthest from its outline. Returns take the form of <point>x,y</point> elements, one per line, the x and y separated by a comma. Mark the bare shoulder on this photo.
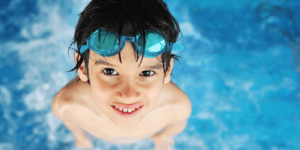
<point>66,99</point>
<point>180,102</point>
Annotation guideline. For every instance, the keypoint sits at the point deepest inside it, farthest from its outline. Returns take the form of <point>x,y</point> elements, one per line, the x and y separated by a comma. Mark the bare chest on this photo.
<point>104,129</point>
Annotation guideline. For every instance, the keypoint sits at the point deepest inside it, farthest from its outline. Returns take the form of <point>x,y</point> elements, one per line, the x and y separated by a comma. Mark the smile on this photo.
<point>127,112</point>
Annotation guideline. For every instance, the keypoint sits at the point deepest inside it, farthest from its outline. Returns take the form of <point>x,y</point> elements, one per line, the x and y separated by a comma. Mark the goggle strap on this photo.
<point>84,48</point>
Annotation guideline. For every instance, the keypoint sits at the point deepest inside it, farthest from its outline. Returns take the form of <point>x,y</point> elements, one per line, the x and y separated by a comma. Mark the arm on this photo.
<point>182,111</point>
<point>180,119</point>
<point>61,109</point>
<point>172,130</point>
<point>81,140</point>
<point>78,133</point>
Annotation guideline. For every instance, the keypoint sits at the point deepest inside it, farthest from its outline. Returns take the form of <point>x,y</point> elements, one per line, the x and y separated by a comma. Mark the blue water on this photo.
<point>240,69</point>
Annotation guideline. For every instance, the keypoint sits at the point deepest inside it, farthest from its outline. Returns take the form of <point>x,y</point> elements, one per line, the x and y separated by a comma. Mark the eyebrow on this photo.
<point>103,62</point>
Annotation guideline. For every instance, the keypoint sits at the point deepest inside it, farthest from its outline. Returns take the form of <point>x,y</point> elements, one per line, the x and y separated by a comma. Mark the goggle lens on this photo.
<point>106,42</point>
<point>154,43</point>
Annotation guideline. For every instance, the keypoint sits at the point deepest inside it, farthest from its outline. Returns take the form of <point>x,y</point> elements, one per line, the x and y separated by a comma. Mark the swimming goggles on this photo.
<point>108,43</point>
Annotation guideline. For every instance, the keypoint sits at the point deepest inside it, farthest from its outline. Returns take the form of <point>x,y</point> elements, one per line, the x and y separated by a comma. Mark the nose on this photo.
<point>128,90</point>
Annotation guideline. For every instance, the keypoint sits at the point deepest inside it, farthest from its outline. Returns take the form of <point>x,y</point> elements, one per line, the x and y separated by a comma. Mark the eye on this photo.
<point>148,73</point>
<point>109,71</point>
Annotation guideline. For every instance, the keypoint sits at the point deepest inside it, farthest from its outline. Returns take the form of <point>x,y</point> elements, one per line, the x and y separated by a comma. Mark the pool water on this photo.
<point>240,69</point>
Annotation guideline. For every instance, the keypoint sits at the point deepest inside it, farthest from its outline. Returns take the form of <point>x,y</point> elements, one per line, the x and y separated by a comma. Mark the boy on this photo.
<point>123,93</point>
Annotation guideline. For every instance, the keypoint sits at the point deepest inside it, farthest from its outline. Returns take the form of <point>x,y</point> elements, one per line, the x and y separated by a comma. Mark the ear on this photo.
<point>81,70</point>
<point>169,71</point>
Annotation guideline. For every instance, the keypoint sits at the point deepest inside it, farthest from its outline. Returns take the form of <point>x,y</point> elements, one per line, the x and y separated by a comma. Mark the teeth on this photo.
<point>127,110</point>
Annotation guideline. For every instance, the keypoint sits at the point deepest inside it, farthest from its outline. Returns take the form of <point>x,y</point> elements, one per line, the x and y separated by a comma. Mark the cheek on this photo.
<point>153,92</point>
<point>100,89</point>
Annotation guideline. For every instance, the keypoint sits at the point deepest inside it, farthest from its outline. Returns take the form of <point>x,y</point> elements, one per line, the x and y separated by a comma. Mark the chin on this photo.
<point>125,123</point>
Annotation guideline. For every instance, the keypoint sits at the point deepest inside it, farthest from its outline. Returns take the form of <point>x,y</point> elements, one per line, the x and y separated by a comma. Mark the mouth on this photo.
<point>127,112</point>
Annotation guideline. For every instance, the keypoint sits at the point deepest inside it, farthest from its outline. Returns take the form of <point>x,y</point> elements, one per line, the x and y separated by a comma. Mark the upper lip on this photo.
<point>128,106</point>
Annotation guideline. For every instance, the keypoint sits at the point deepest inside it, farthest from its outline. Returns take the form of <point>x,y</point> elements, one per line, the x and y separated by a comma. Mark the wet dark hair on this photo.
<point>126,17</point>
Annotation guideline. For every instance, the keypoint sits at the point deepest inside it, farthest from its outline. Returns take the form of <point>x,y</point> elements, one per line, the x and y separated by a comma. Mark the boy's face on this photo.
<point>115,83</point>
